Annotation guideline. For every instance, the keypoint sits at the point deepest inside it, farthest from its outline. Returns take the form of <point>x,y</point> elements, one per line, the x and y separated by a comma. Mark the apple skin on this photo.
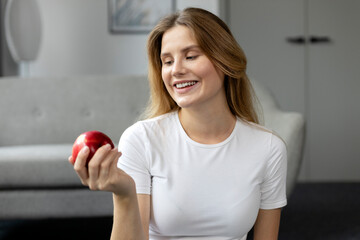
<point>92,139</point>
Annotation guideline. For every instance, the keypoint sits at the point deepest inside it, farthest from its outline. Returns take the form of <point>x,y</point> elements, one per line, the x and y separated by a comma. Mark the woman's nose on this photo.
<point>178,68</point>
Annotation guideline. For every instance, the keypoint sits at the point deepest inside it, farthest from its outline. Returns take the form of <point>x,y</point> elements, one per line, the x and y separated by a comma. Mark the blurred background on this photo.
<point>305,51</point>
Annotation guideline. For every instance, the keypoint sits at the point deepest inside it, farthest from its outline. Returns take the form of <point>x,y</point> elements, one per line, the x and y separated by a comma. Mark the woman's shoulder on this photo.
<point>262,132</point>
<point>255,128</point>
<point>160,121</point>
<point>151,125</point>
<point>266,141</point>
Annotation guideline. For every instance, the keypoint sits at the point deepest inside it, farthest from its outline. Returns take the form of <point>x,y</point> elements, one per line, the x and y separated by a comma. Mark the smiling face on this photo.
<point>188,74</point>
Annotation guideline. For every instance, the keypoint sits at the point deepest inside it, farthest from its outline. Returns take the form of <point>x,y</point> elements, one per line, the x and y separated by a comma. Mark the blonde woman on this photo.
<point>199,166</point>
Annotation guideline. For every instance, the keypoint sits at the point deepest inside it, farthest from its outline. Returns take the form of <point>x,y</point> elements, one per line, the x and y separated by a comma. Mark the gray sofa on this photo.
<point>40,119</point>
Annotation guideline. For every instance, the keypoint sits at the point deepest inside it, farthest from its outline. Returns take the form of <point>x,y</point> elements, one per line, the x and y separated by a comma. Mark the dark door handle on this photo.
<point>316,39</point>
<point>296,40</point>
<point>312,39</point>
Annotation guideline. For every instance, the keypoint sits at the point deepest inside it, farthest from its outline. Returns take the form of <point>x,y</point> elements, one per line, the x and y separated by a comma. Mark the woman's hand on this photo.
<point>102,172</point>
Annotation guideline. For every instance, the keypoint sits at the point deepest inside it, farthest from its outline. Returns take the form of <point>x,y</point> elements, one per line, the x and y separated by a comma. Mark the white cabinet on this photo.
<point>321,79</point>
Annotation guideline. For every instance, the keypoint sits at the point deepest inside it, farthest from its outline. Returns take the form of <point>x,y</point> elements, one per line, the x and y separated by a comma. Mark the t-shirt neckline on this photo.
<point>203,145</point>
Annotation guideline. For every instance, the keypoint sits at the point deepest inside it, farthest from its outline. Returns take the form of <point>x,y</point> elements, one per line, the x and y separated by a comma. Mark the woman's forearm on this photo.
<point>127,221</point>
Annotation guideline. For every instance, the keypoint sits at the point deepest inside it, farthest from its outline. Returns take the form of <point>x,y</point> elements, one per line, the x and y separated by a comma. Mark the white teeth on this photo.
<point>185,84</point>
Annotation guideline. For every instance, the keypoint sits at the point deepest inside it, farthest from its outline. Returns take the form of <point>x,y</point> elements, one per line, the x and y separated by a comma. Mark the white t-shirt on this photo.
<point>200,191</point>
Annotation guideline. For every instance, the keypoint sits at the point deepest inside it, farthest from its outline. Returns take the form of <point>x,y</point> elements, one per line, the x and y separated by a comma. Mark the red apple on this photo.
<point>92,139</point>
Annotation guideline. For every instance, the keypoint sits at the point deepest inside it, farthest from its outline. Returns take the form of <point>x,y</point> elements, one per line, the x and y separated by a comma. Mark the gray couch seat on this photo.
<point>37,166</point>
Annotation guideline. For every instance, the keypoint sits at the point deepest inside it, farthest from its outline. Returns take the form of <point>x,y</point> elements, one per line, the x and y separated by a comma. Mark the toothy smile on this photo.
<point>185,84</point>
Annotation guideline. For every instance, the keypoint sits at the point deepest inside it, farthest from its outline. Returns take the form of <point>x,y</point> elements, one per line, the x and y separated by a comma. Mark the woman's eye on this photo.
<point>191,57</point>
<point>169,62</point>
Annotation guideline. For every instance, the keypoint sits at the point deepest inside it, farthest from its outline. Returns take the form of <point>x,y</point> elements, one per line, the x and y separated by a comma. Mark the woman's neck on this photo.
<point>207,126</point>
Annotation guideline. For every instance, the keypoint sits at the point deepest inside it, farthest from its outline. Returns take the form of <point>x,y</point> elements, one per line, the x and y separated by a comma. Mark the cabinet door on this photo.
<point>319,79</point>
<point>262,27</point>
<point>334,86</point>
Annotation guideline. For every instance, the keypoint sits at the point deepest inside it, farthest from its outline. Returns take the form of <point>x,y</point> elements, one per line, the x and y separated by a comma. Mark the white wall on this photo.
<point>210,5</point>
<point>76,40</point>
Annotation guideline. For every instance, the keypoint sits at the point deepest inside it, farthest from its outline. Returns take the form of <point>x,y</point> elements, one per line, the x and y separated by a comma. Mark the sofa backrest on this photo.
<point>56,110</point>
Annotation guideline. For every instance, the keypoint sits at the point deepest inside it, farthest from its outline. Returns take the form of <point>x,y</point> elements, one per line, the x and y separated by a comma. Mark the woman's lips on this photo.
<point>185,86</point>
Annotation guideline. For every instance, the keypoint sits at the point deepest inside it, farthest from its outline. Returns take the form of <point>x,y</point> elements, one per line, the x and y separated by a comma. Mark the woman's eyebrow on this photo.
<point>186,49</point>
<point>192,47</point>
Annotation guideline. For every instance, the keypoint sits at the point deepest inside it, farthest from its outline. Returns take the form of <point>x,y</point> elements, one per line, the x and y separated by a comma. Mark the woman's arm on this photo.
<point>103,174</point>
<point>267,224</point>
<point>131,217</point>
<point>144,205</point>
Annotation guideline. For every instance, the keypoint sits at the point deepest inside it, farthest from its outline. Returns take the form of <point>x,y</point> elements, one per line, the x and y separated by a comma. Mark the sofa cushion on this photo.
<point>58,109</point>
<point>37,166</point>
<point>60,203</point>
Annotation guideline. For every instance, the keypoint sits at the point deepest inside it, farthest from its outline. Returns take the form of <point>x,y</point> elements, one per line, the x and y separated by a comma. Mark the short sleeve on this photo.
<point>133,160</point>
<point>273,188</point>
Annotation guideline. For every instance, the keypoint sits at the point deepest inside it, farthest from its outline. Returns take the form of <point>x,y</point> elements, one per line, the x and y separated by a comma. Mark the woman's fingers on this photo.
<point>107,164</point>
<point>80,165</point>
<point>71,160</point>
<point>101,172</point>
<point>118,155</point>
<point>94,165</point>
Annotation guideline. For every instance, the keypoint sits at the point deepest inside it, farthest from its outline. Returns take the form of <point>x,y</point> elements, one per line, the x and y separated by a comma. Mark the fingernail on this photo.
<point>85,149</point>
<point>108,146</point>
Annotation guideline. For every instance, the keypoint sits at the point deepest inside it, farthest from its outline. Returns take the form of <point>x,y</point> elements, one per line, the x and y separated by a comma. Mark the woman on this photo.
<point>199,166</point>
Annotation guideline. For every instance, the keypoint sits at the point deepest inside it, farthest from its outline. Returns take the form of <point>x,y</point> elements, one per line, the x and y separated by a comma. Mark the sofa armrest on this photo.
<point>290,126</point>
<point>37,167</point>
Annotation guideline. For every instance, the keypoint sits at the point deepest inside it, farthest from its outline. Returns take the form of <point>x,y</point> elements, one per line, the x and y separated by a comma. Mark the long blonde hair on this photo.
<point>218,44</point>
